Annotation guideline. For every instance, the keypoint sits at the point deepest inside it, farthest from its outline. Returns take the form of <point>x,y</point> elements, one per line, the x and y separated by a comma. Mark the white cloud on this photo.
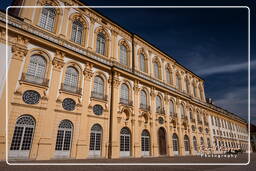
<point>226,68</point>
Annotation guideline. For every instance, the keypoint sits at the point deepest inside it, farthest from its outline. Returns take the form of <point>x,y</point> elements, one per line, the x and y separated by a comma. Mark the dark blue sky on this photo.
<point>213,43</point>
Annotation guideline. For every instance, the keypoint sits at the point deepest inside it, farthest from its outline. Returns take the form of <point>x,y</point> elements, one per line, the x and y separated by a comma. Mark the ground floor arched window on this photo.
<point>63,140</point>
<point>186,145</point>
<point>195,143</point>
<point>175,142</point>
<point>22,137</point>
<point>125,138</point>
<point>145,143</point>
<point>95,140</point>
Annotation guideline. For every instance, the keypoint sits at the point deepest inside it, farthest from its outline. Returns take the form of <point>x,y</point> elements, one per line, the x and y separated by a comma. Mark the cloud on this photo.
<point>236,101</point>
<point>226,68</point>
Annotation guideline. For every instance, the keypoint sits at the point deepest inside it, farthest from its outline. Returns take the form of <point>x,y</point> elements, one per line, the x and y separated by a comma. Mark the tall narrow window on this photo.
<point>95,140</point>
<point>101,44</point>
<point>125,142</point>
<point>63,140</point>
<point>142,63</point>
<point>158,104</point>
<point>36,69</point>
<point>77,32</point>
<point>182,111</point>
<point>191,114</point>
<point>168,76</point>
<point>143,99</point>
<point>171,108</point>
<point>186,145</point>
<point>98,89</point>
<point>194,90</point>
<point>195,143</point>
<point>175,142</point>
<point>124,98</point>
<point>145,143</point>
<point>187,85</point>
<point>156,70</point>
<point>202,141</point>
<point>22,137</point>
<point>123,55</point>
<point>178,82</point>
<point>209,142</point>
<point>71,79</point>
<point>48,18</point>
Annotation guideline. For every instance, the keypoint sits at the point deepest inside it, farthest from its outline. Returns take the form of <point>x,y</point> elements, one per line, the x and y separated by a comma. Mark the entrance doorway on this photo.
<point>162,141</point>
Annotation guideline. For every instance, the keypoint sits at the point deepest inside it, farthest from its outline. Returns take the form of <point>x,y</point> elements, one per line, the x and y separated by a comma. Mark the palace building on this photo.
<point>81,86</point>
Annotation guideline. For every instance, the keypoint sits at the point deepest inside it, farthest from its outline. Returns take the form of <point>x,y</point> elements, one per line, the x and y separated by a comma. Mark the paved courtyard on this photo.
<point>243,158</point>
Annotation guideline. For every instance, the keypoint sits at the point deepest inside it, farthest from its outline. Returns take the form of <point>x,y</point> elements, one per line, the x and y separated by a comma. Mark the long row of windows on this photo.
<point>48,18</point>
<point>25,125</point>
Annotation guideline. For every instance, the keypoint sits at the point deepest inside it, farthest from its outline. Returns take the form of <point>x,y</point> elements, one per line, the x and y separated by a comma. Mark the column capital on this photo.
<point>88,73</point>
<point>58,63</point>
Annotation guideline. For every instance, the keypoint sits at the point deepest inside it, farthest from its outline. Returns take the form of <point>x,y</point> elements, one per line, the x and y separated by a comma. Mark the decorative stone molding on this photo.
<point>58,63</point>
<point>136,87</point>
<point>116,80</point>
<point>19,48</point>
<point>88,73</point>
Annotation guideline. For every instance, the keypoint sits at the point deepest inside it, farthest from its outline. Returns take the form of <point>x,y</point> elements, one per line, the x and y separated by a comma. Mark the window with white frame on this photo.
<point>64,136</point>
<point>98,88</point>
<point>71,78</point>
<point>175,142</point>
<point>36,69</point>
<point>142,63</point>
<point>156,70</point>
<point>47,19</point>
<point>158,104</point>
<point>77,32</point>
<point>101,44</point>
<point>143,99</point>
<point>124,98</point>
<point>195,143</point>
<point>168,76</point>
<point>171,107</point>
<point>123,55</point>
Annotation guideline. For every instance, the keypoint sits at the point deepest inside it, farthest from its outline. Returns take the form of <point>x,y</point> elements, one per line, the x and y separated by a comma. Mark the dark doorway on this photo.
<point>162,141</point>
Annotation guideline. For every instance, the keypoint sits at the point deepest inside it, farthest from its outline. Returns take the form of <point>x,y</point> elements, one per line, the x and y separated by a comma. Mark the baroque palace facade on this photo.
<point>80,86</point>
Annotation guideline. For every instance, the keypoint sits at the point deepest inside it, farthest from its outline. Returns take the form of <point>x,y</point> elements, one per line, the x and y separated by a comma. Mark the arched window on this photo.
<point>98,89</point>
<point>158,104</point>
<point>77,32</point>
<point>101,44</point>
<point>22,137</point>
<point>142,63</point>
<point>125,142</point>
<point>124,98</point>
<point>178,82</point>
<point>195,143</point>
<point>190,114</point>
<point>36,69</point>
<point>175,142</point>
<point>182,111</point>
<point>187,85</point>
<point>47,19</point>
<point>209,142</point>
<point>64,138</point>
<point>194,90</point>
<point>171,108</point>
<point>186,144</point>
<point>202,141</point>
<point>95,140</point>
<point>156,70</point>
<point>143,99</point>
<point>145,143</point>
<point>123,55</point>
<point>168,76</point>
<point>71,79</point>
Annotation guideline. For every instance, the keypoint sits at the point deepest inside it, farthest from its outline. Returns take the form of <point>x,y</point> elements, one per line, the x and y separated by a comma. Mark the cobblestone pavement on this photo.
<point>164,160</point>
